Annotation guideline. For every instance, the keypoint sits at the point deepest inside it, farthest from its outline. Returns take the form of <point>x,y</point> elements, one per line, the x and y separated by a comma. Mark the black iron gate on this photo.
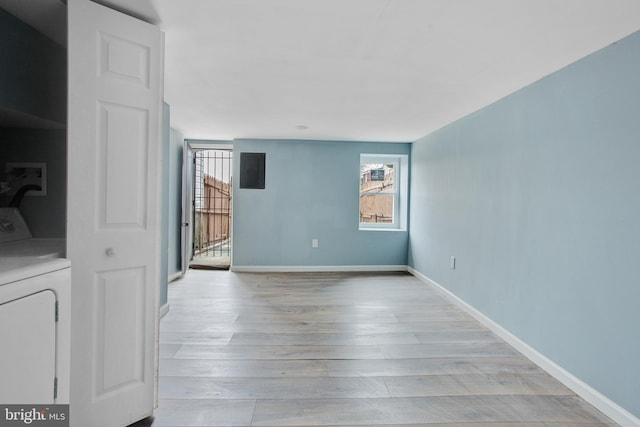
<point>212,207</point>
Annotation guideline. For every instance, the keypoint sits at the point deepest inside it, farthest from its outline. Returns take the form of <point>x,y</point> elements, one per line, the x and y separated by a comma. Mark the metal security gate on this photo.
<point>212,193</point>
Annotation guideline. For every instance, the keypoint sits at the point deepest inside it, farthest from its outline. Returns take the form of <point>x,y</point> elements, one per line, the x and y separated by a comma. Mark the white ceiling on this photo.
<point>377,70</point>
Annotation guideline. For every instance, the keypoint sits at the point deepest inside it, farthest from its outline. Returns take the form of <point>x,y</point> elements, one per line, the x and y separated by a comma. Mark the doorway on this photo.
<point>212,209</point>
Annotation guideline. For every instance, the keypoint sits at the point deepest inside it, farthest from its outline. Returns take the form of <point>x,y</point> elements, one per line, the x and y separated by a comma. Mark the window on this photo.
<point>383,192</point>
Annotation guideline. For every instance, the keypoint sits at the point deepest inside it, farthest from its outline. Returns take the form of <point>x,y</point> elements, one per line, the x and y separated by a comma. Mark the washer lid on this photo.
<point>15,269</point>
<point>12,226</point>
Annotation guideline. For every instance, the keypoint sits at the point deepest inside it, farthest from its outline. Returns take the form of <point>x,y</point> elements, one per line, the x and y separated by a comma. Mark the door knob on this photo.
<point>111,252</point>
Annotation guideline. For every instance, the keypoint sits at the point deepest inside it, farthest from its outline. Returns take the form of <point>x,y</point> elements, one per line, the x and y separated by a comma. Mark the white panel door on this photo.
<point>187,206</point>
<point>113,229</point>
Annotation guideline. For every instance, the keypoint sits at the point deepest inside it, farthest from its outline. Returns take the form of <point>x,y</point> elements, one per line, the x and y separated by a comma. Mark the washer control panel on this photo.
<point>12,226</point>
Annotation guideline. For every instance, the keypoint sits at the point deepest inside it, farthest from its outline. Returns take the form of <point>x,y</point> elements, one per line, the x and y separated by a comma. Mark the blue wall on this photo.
<point>538,197</point>
<point>311,192</point>
<point>164,238</point>
<point>176,145</point>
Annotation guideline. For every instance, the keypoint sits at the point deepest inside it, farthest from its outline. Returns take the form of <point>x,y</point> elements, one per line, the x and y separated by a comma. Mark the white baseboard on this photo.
<point>175,276</point>
<point>585,391</point>
<point>315,268</point>
<point>164,309</point>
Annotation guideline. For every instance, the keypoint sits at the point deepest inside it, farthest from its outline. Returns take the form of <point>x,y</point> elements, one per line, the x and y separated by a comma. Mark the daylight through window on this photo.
<point>380,195</point>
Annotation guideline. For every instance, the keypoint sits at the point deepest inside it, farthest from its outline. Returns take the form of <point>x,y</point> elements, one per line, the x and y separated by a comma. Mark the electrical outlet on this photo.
<point>314,243</point>
<point>452,263</point>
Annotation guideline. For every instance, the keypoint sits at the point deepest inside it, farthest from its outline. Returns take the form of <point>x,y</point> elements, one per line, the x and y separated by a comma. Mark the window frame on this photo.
<point>400,182</point>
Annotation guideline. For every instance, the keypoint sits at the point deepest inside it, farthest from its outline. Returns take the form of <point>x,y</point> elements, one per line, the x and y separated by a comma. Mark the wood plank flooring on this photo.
<point>343,349</point>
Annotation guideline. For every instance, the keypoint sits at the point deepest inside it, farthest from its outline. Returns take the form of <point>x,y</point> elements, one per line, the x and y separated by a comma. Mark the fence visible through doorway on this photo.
<point>212,209</point>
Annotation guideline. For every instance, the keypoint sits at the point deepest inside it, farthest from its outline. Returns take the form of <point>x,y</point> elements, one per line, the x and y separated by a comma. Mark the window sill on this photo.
<point>380,229</point>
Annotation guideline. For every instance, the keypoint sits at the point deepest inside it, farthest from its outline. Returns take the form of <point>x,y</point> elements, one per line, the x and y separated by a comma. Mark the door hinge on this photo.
<point>56,310</point>
<point>55,388</point>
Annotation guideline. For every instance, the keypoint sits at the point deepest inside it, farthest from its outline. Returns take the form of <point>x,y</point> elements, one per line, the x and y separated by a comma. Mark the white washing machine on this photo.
<point>16,239</point>
<point>34,318</point>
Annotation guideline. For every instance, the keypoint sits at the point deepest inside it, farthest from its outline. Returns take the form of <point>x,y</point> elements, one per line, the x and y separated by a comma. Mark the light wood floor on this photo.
<point>343,349</point>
